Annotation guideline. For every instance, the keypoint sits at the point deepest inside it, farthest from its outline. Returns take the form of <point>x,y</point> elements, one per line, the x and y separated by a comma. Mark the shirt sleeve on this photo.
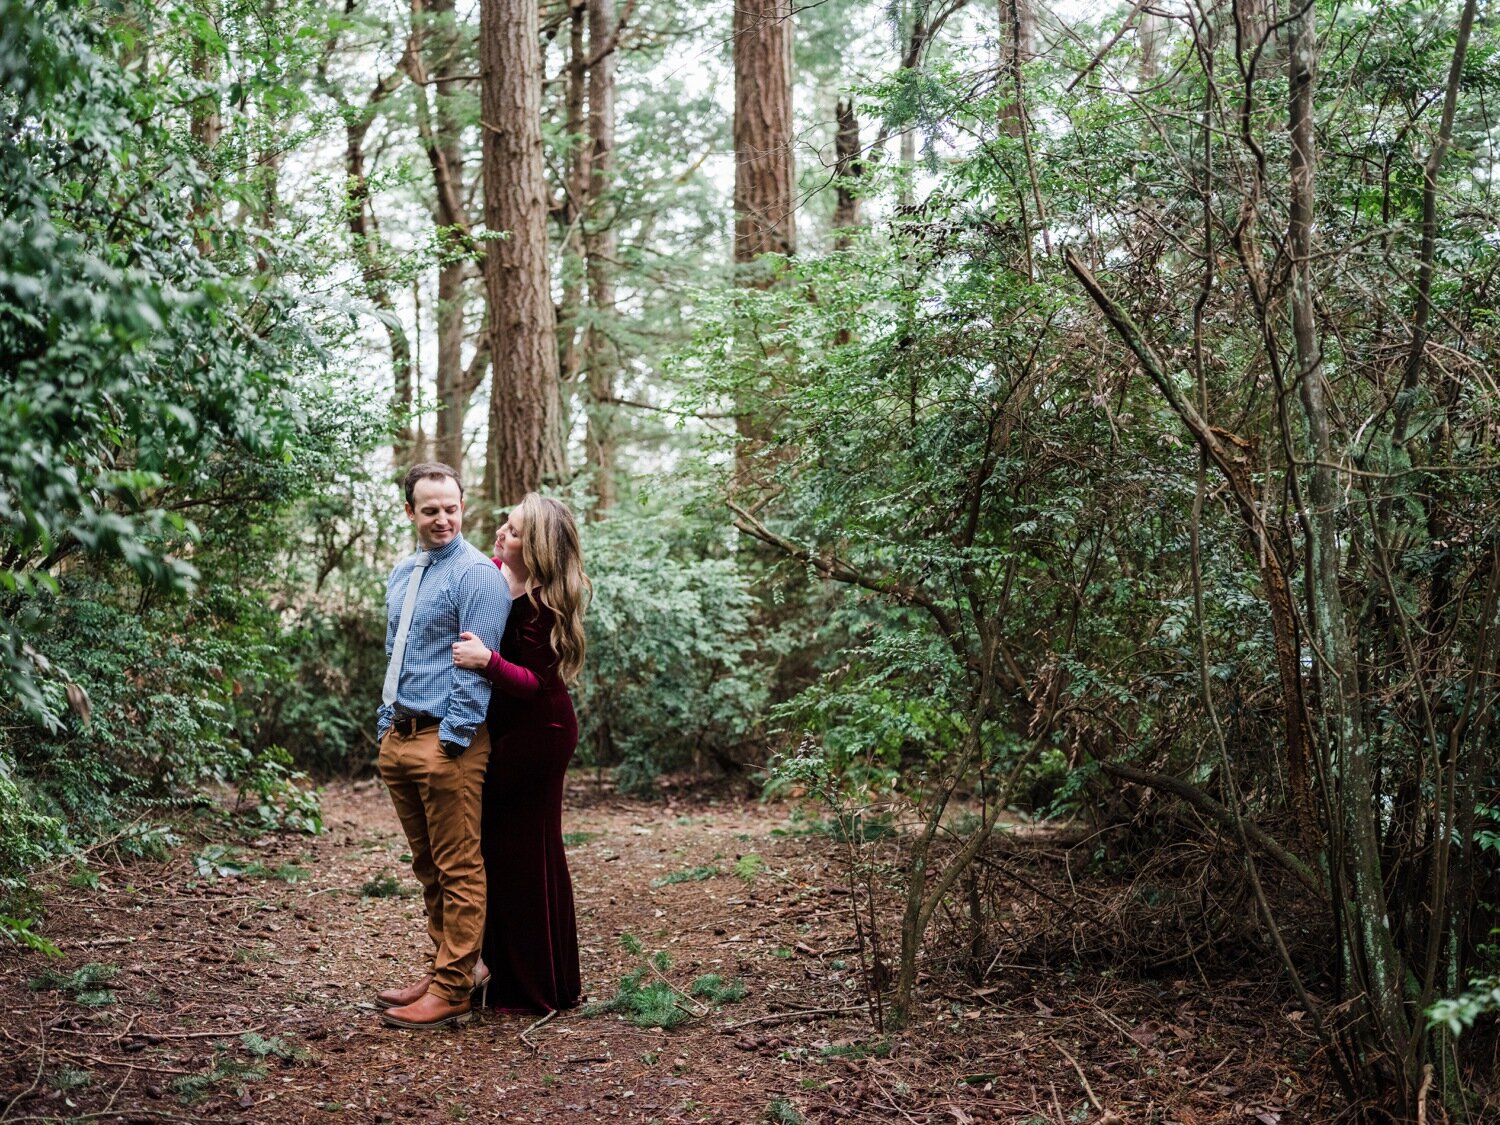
<point>483,602</point>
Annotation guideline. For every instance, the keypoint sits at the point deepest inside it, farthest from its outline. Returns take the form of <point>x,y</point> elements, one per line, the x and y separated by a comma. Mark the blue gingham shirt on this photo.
<point>462,591</point>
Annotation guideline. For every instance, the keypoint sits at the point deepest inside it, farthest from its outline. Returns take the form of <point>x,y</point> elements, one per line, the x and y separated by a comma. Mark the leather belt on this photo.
<point>409,724</point>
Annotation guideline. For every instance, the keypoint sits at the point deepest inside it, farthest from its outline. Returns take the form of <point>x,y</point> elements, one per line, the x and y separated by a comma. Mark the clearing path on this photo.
<point>244,982</point>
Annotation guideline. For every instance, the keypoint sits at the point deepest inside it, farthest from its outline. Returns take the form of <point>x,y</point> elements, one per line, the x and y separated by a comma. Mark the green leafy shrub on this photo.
<point>688,875</point>
<point>675,671</point>
<point>89,984</point>
<point>711,987</point>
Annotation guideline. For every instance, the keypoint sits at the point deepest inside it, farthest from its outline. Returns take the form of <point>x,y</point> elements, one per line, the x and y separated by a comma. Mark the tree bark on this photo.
<point>575,201</point>
<point>763,183</point>
<point>1017,36</point>
<point>522,321</point>
<point>847,169</point>
<point>601,358</point>
<point>373,273</point>
<point>1376,965</point>
<point>1151,37</point>
<point>441,137</point>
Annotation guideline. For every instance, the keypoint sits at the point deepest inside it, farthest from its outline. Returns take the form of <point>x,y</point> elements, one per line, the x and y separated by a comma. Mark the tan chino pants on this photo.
<point>437,799</point>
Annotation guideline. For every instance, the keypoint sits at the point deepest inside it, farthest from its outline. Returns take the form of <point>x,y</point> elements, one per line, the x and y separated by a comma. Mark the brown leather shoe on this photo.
<point>429,1012</point>
<point>400,997</point>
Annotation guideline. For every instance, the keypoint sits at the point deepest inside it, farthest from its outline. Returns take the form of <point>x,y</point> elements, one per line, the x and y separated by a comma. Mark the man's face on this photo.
<point>437,510</point>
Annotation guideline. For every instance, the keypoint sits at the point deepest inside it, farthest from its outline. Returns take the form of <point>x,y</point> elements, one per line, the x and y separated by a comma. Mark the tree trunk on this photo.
<point>205,124</point>
<point>763,184</point>
<point>847,170</point>
<point>1151,37</point>
<point>575,202</point>
<point>373,273</point>
<point>1373,968</point>
<point>441,54</point>
<point>522,321</point>
<point>1017,36</point>
<point>600,356</point>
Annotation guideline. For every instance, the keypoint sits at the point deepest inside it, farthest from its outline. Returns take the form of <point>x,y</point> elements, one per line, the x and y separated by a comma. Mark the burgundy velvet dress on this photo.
<point>530,935</point>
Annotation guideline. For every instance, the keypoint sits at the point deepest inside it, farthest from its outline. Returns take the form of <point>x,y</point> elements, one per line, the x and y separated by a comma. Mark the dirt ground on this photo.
<point>245,976</point>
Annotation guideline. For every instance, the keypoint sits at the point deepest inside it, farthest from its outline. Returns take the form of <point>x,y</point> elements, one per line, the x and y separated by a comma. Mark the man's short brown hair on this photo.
<point>430,470</point>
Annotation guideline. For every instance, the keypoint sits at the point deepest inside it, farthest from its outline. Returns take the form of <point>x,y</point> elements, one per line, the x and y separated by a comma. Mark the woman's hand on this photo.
<point>469,652</point>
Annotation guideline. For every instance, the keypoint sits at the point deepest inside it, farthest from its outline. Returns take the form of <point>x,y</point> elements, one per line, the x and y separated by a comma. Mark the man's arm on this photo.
<point>483,605</point>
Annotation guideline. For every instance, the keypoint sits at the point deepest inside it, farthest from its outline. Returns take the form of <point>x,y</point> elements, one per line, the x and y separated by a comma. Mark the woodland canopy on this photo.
<point>980,413</point>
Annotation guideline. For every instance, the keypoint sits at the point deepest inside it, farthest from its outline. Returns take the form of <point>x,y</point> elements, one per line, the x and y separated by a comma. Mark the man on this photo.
<point>433,742</point>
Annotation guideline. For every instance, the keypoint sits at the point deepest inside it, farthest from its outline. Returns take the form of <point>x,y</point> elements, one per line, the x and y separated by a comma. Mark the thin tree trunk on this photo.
<point>205,125</point>
<point>601,358</point>
<point>1151,37</point>
<point>575,202</point>
<point>1017,36</point>
<point>847,170</point>
<point>442,139</point>
<point>373,273</point>
<point>522,320</point>
<point>1378,970</point>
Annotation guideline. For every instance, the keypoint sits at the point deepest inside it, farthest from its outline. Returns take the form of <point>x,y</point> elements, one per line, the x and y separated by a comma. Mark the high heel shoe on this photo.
<point>481,987</point>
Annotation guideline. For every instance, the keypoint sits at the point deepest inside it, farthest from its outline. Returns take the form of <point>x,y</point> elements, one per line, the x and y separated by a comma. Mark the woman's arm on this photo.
<point>511,678</point>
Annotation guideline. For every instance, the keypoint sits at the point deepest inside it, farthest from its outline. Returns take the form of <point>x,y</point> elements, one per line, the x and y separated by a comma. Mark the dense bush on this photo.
<point>677,672</point>
<point>168,407</point>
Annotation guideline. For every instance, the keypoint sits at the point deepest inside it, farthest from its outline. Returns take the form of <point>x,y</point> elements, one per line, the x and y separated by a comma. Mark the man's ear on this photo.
<point>411,513</point>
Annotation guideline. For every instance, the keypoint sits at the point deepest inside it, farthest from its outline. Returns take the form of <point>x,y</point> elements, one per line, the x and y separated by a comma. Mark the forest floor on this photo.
<point>245,975</point>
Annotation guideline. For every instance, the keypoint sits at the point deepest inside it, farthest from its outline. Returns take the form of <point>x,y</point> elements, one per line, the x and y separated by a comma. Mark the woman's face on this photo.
<point>508,541</point>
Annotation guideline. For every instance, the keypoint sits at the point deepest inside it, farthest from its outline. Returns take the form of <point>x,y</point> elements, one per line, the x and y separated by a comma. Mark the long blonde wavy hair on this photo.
<point>549,548</point>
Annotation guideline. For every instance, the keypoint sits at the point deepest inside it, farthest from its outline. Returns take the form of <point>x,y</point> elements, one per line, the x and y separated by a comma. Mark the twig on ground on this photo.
<point>230,1034</point>
<point>40,1062</point>
<point>1087,1089</point>
<point>796,1013</point>
<point>525,1034</point>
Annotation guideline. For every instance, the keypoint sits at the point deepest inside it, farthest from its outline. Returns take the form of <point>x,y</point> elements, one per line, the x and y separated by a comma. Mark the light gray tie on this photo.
<point>398,650</point>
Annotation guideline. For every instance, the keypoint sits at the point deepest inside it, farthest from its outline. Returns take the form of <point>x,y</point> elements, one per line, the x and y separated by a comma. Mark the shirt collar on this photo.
<point>444,551</point>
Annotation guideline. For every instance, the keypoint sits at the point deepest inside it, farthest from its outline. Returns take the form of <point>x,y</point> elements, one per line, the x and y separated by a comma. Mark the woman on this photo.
<point>531,940</point>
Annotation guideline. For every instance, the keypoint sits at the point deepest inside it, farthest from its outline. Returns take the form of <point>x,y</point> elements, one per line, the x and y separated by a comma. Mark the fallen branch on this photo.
<point>1203,803</point>
<point>782,1017</point>
<point>1087,1089</point>
<point>525,1034</point>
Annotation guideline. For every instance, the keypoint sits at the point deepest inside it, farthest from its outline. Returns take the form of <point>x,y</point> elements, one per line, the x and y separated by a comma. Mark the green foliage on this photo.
<point>386,885</point>
<point>276,1046</point>
<point>880,1049</point>
<point>193,1088</point>
<point>644,1003</point>
<point>748,867</point>
<point>673,668</point>
<point>68,1078</point>
<point>646,998</point>
<point>711,987</point>
<point>687,875</point>
<point>143,378</point>
<point>282,799</point>
<point>89,984</point>
<point>782,1112</point>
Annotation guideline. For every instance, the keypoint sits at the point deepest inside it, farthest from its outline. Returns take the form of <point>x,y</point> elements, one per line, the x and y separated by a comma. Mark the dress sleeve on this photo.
<point>536,663</point>
<point>512,679</point>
